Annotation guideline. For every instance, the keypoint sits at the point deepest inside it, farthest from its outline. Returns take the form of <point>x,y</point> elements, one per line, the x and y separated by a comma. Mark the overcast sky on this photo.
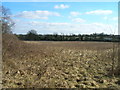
<point>64,17</point>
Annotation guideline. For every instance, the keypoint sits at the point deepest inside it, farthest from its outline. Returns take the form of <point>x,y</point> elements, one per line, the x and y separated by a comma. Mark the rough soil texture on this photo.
<point>59,65</point>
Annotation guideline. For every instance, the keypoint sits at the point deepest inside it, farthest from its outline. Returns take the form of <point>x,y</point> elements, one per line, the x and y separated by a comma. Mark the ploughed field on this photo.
<point>49,64</point>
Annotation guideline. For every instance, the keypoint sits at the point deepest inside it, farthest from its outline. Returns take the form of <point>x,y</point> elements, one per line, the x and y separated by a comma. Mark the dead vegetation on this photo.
<point>57,64</point>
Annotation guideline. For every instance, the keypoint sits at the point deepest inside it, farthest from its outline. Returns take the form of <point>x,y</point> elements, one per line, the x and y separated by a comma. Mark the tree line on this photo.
<point>33,36</point>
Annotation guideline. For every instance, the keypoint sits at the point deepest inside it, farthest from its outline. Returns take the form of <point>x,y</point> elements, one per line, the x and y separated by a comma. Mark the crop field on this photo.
<point>60,64</point>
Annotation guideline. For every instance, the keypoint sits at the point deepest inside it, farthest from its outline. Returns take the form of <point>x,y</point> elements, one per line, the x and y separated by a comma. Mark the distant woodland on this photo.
<point>33,36</point>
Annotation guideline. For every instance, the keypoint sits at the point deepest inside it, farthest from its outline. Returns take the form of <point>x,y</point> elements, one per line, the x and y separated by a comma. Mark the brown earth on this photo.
<point>48,64</point>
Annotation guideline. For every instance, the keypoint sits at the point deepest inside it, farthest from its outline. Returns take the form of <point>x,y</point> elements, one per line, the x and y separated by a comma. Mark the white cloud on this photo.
<point>61,6</point>
<point>47,23</point>
<point>78,20</point>
<point>112,29</point>
<point>75,13</point>
<point>110,19</point>
<point>100,12</point>
<point>36,14</point>
<point>105,18</point>
<point>115,18</point>
<point>63,27</point>
<point>98,24</point>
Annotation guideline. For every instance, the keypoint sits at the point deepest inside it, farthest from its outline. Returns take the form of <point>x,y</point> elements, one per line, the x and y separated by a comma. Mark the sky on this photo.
<point>64,17</point>
<point>60,0</point>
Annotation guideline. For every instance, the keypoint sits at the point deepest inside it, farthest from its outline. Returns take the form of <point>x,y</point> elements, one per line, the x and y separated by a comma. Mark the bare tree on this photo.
<point>6,25</point>
<point>5,20</point>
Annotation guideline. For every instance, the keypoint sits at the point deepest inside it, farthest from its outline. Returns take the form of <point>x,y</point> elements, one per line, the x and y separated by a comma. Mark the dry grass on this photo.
<point>58,65</point>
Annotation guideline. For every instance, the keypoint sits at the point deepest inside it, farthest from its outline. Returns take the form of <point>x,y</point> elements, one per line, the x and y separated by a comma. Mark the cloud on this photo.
<point>111,19</point>
<point>35,23</point>
<point>75,13</point>
<point>112,29</point>
<point>63,27</point>
<point>105,18</point>
<point>78,20</point>
<point>98,24</point>
<point>100,12</point>
<point>61,6</point>
<point>115,18</point>
<point>36,14</point>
